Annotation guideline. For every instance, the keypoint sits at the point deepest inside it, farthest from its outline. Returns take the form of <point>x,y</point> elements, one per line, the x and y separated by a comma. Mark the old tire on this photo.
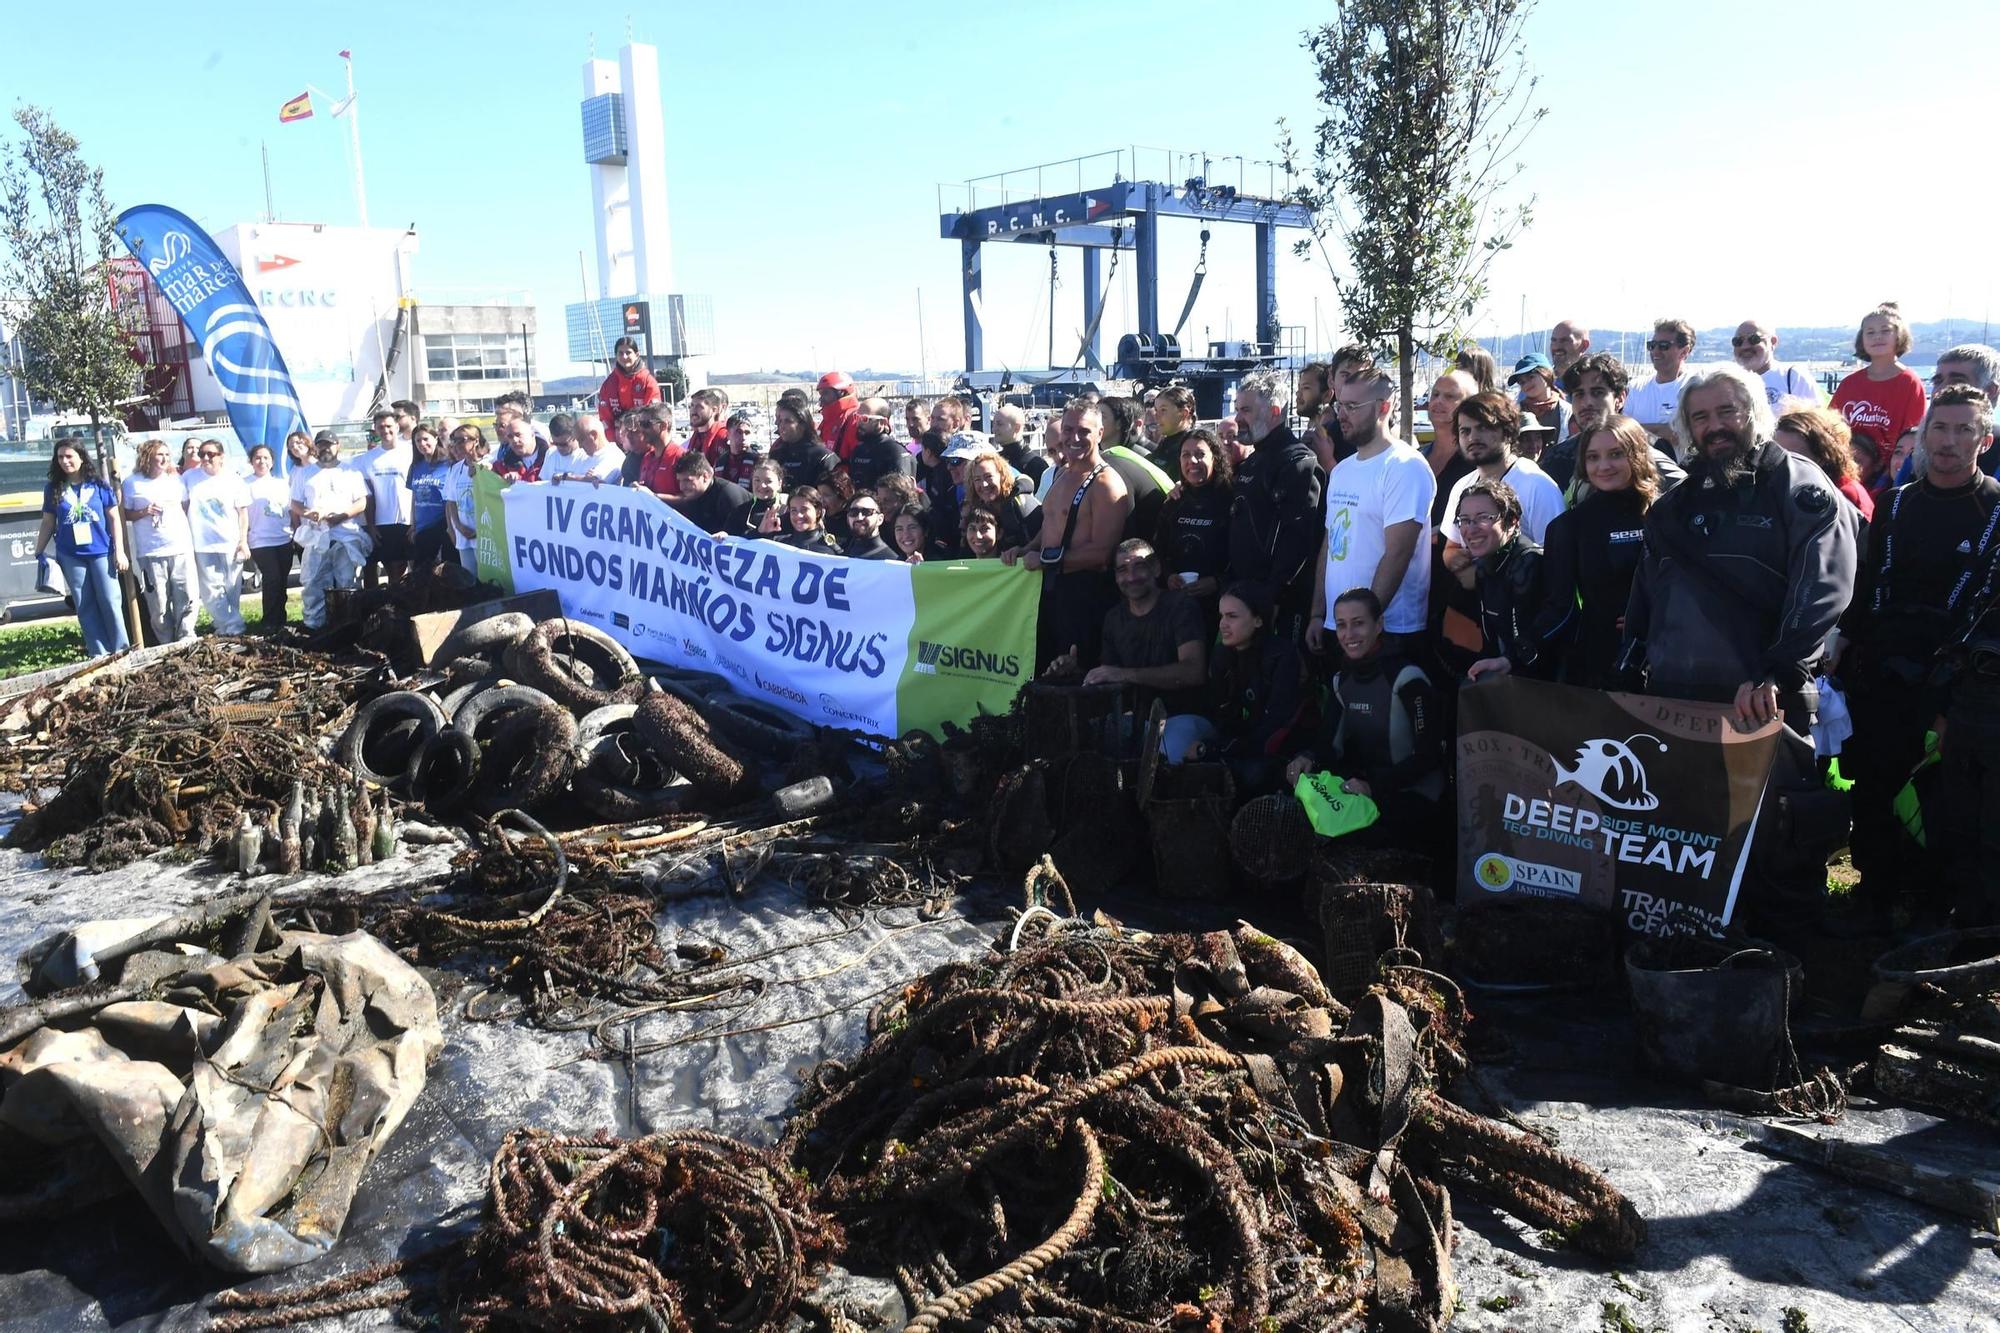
<point>756,725</point>
<point>616,804</point>
<point>488,638</point>
<point>362,749</point>
<point>677,732</point>
<point>479,713</point>
<point>579,666</point>
<point>530,756</point>
<point>441,774</point>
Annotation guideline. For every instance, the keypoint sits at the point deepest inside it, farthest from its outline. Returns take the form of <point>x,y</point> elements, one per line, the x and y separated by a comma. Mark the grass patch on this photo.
<point>41,644</point>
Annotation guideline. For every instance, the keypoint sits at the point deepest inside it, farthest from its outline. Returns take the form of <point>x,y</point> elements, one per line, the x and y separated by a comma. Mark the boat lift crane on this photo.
<point>1124,216</point>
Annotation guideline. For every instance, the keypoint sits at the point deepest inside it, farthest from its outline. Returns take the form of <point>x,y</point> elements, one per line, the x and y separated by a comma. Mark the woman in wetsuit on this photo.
<point>1591,552</point>
<point>1257,691</point>
<point>1385,733</point>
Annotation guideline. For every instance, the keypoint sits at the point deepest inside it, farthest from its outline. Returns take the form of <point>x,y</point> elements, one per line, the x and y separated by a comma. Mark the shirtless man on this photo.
<point>1084,520</point>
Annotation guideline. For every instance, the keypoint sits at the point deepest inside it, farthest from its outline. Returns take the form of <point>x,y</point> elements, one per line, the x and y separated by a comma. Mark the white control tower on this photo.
<point>624,141</point>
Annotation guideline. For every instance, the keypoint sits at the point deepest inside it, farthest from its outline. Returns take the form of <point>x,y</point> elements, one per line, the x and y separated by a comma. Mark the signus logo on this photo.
<point>935,657</point>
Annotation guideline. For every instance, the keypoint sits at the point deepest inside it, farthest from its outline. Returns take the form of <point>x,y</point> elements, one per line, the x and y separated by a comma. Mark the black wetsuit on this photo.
<point>1590,555</point>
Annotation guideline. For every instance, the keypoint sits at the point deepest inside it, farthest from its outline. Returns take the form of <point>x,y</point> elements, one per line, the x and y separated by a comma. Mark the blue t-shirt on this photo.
<point>427,492</point>
<point>88,503</point>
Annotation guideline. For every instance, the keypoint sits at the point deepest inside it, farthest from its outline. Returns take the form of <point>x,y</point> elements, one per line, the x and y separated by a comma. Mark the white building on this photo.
<point>624,141</point>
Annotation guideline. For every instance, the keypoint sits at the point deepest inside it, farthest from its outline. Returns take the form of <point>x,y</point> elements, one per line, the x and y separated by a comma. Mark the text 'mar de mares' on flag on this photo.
<point>209,295</point>
<point>299,108</point>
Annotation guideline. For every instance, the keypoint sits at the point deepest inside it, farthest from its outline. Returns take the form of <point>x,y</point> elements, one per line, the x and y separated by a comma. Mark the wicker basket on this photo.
<point>1536,942</point>
<point>1188,814</point>
<point>1100,835</point>
<point>1361,922</point>
<point>1059,721</point>
<point>1272,838</point>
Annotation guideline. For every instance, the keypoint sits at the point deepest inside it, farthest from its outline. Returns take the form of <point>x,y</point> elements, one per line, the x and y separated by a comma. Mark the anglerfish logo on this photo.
<point>1610,771</point>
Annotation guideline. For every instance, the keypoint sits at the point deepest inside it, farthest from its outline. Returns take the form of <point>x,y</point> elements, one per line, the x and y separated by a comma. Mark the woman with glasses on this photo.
<point>1592,552</point>
<point>77,515</point>
<point>219,516</point>
<point>991,482</point>
<point>1884,397</point>
<point>270,535</point>
<point>1506,570</point>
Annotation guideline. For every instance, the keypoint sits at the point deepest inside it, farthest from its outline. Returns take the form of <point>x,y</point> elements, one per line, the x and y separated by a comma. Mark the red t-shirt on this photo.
<point>656,472</point>
<point>1883,408</point>
<point>713,444</point>
<point>620,393</point>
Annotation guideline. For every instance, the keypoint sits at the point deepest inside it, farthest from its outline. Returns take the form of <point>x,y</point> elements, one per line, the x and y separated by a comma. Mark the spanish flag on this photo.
<point>299,108</point>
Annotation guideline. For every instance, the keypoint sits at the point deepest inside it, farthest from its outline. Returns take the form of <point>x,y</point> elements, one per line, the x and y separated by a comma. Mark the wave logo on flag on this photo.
<point>299,108</point>
<point>208,294</point>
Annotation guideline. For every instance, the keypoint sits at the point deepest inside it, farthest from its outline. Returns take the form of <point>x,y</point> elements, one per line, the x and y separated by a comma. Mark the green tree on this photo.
<point>1424,105</point>
<point>62,292</point>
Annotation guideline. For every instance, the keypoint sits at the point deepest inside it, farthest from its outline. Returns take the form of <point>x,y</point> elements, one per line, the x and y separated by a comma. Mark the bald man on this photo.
<point>1568,341</point>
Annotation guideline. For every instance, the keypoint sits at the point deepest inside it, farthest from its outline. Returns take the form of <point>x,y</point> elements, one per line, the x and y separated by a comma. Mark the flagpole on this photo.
<point>354,135</point>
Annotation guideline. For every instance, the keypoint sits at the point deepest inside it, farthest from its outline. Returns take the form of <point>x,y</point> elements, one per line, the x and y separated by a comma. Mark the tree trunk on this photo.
<point>128,578</point>
<point>1406,360</point>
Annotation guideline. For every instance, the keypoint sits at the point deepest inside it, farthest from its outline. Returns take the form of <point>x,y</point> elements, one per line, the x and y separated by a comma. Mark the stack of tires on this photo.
<point>557,718</point>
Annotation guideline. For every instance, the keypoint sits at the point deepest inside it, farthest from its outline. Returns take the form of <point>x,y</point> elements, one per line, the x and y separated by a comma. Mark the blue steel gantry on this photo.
<point>1123,215</point>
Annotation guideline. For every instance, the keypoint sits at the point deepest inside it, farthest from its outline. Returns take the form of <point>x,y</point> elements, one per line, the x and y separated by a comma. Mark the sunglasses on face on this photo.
<point>1754,340</point>
<point>1656,346</point>
<point>211,453</point>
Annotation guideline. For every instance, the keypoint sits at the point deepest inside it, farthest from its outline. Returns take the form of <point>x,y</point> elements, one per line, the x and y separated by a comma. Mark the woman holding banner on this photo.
<point>1592,551</point>
<point>1385,737</point>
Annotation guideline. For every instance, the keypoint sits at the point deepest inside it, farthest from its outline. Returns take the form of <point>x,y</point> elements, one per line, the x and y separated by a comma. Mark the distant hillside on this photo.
<point>1831,343</point>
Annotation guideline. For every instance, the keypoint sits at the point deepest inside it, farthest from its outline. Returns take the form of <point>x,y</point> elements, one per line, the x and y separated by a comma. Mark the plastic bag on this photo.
<point>1331,811</point>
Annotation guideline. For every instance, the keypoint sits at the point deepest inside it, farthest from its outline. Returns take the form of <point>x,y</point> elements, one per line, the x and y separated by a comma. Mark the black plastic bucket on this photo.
<point>1707,1010</point>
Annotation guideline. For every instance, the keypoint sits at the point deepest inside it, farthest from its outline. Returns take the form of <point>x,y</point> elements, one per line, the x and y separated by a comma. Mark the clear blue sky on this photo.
<point>1713,158</point>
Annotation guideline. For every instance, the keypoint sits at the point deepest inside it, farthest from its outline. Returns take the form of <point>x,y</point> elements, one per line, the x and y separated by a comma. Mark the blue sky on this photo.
<point>1718,160</point>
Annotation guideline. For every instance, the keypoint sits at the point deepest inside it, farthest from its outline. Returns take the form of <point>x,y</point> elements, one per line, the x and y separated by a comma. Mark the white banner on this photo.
<point>824,638</point>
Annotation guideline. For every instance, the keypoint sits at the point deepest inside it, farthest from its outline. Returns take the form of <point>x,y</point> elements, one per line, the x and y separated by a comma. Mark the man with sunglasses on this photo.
<point>864,525</point>
<point>1652,404</point>
<point>1755,344</point>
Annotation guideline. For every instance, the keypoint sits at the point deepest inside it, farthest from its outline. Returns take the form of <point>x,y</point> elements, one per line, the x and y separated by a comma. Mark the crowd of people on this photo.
<point>1303,584</point>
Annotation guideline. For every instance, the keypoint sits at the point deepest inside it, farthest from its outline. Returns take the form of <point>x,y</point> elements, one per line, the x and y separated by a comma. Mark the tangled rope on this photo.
<point>685,1230</point>
<point>172,753</point>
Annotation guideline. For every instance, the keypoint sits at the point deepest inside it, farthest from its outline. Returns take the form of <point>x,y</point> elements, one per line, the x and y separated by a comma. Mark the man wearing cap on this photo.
<point>1755,346</point>
<point>839,413</point>
<point>1534,382</point>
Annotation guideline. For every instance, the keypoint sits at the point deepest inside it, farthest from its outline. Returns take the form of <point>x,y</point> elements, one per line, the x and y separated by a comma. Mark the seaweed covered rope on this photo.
<point>687,1231</point>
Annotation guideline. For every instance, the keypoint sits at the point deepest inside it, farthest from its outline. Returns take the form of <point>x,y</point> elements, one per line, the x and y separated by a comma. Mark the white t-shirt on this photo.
<point>458,491</point>
<point>607,464</point>
<point>342,489</point>
<point>168,534</point>
<point>1364,497</point>
<point>300,475</point>
<point>575,463</point>
<point>270,511</point>
<point>215,512</point>
<point>1541,500</point>
<point>1782,382</point>
<point>387,472</point>
<point>1654,402</point>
